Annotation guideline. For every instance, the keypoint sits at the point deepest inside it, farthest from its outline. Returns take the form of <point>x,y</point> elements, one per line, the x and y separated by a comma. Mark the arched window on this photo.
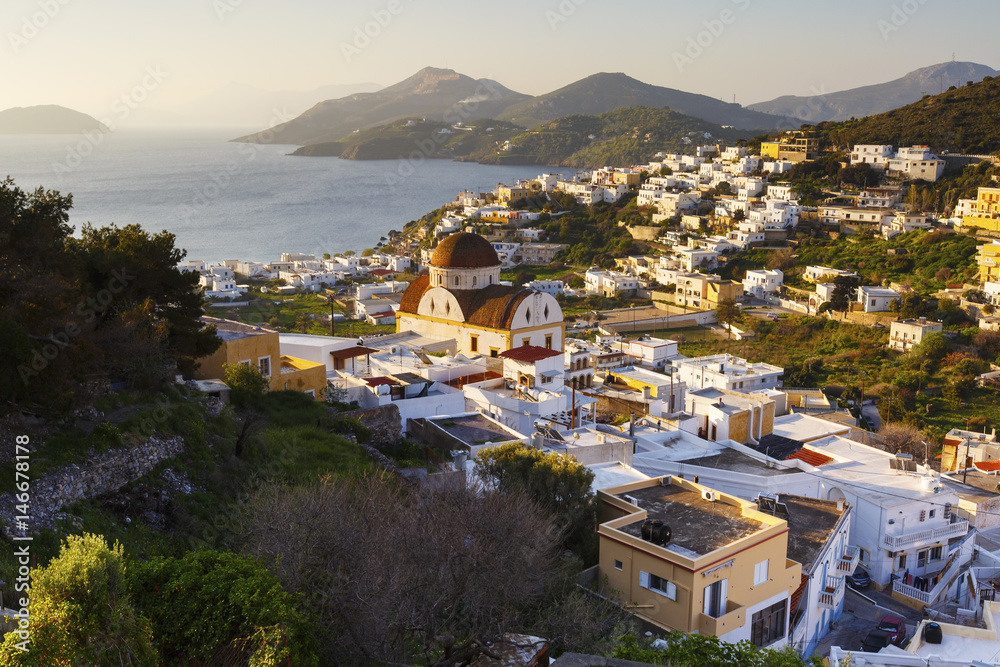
<point>473,281</point>
<point>456,281</point>
<point>491,280</point>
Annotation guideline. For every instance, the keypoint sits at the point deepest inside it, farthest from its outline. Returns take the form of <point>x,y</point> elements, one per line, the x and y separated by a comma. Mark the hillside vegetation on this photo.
<point>960,120</point>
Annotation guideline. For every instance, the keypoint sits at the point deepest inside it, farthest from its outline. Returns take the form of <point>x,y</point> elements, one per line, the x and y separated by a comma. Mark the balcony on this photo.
<point>918,538</point>
<point>848,561</point>
<point>832,594</point>
<point>732,619</point>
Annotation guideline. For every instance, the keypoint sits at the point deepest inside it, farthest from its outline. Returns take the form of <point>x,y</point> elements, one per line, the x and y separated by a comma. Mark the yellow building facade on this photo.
<point>986,211</point>
<point>260,348</point>
<point>723,569</point>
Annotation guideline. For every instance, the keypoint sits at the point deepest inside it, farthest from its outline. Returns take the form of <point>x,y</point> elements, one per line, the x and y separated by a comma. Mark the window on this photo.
<point>525,341</point>
<point>473,281</point>
<point>456,281</point>
<point>474,343</point>
<point>922,558</point>
<point>715,598</point>
<point>658,585</point>
<point>264,365</point>
<point>902,562</point>
<point>935,553</point>
<point>494,352</point>
<point>548,342</point>
<point>245,362</point>
<point>768,625</point>
<point>618,565</point>
<point>760,573</point>
<point>865,556</point>
<point>933,512</point>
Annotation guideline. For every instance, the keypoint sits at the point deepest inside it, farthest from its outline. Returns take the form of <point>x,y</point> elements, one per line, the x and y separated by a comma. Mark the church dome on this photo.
<point>464,251</point>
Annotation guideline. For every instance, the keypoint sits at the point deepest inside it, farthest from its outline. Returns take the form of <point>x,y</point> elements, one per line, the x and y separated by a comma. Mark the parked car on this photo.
<point>859,578</point>
<point>896,627</point>
<point>876,641</point>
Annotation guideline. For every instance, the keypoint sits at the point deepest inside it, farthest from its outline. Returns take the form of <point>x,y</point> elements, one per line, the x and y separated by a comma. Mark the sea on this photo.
<point>225,200</point>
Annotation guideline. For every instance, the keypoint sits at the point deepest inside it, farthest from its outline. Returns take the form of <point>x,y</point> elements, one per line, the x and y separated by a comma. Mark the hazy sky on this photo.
<point>85,54</point>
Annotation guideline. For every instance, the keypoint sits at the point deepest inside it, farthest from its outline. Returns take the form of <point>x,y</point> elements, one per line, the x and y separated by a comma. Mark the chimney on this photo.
<point>840,504</point>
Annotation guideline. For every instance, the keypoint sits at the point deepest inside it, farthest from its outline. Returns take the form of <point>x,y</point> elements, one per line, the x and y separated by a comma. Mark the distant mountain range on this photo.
<point>878,98</point>
<point>47,119</point>
<point>437,94</point>
<point>959,120</point>
<point>623,136</point>
<point>446,95</point>
<point>600,93</point>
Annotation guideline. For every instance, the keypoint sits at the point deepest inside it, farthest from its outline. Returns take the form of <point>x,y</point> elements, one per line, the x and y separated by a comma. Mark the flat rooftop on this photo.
<point>810,523</point>
<point>734,461</point>
<point>474,429</point>
<point>230,330</point>
<point>698,526</point>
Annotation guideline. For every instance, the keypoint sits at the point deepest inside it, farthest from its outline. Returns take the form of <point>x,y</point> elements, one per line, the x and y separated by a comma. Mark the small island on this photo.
<point>47,119</point>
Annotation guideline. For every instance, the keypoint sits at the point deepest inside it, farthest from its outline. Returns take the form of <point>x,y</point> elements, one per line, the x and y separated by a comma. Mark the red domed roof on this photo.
<point>464,251</point>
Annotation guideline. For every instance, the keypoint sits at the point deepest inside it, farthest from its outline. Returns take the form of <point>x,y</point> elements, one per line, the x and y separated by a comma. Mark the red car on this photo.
<point>896,627</point>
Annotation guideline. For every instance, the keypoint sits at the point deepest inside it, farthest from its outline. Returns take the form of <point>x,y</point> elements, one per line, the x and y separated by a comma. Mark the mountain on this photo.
<point>437,94</point>
<point>47,119</point>
<point>241,105</point>
<point>624,136</point>
<point>629,135</point>
<point>878,98</point>
<point>959,120</point>
<point>604,92</point>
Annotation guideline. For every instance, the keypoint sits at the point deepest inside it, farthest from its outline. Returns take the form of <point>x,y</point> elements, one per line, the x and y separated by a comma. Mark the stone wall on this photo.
<point>384,421</point>
<point>101,474</point>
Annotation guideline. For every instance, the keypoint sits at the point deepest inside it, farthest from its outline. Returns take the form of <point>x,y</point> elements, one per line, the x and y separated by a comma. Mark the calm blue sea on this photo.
<point>238,201</point>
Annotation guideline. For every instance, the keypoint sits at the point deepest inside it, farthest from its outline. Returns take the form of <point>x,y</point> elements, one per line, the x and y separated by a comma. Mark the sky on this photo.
<point>88,54</point>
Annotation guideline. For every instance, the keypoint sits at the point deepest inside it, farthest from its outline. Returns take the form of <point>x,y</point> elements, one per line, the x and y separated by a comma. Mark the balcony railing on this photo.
<point>917,538</point>
<point>732,619</point>
<point>909,591</point>
<point>849,561</point>
<point>833,593</point>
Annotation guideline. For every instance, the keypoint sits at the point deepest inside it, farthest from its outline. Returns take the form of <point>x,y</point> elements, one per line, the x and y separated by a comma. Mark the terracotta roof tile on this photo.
<point>413,294</point>
<point>529,353</point>
<point>465,250</point>
<point>988,466</point>
<point>811,457</point>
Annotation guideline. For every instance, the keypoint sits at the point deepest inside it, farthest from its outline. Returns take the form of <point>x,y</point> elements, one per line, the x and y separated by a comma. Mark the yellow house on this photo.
<point>509,193</point>
<point>259,347</point>
<point>770,149</point>
<point>986,211</point>
<point>628,178</point>
<point>989,261</point>
<point>793,146</point>
<point>685,557</point>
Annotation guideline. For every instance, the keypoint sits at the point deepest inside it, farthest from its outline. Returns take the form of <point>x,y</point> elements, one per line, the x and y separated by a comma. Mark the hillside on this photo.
<point>960,120</point>
<point>877,98</point>
<point>433,139</point>
<point>604,92</point>
<point>431,93</point>
<point>624,136</point>
<point>47,119</point>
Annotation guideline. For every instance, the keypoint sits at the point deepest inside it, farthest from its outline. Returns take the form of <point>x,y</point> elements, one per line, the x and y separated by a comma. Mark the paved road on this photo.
<point>860,617</point>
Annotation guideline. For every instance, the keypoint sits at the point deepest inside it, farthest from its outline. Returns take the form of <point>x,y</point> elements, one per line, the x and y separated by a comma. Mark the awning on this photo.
<point>351,352</point>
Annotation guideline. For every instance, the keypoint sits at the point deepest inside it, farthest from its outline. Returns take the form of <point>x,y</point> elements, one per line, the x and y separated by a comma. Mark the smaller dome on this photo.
<point>464,251</point>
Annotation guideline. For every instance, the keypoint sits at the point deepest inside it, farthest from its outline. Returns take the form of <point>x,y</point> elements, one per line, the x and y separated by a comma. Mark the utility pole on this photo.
<point>330,299</point>
<point>965,469</point>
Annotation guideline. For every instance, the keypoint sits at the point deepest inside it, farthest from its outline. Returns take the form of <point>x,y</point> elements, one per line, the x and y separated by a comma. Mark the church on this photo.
<point>461,297</point>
